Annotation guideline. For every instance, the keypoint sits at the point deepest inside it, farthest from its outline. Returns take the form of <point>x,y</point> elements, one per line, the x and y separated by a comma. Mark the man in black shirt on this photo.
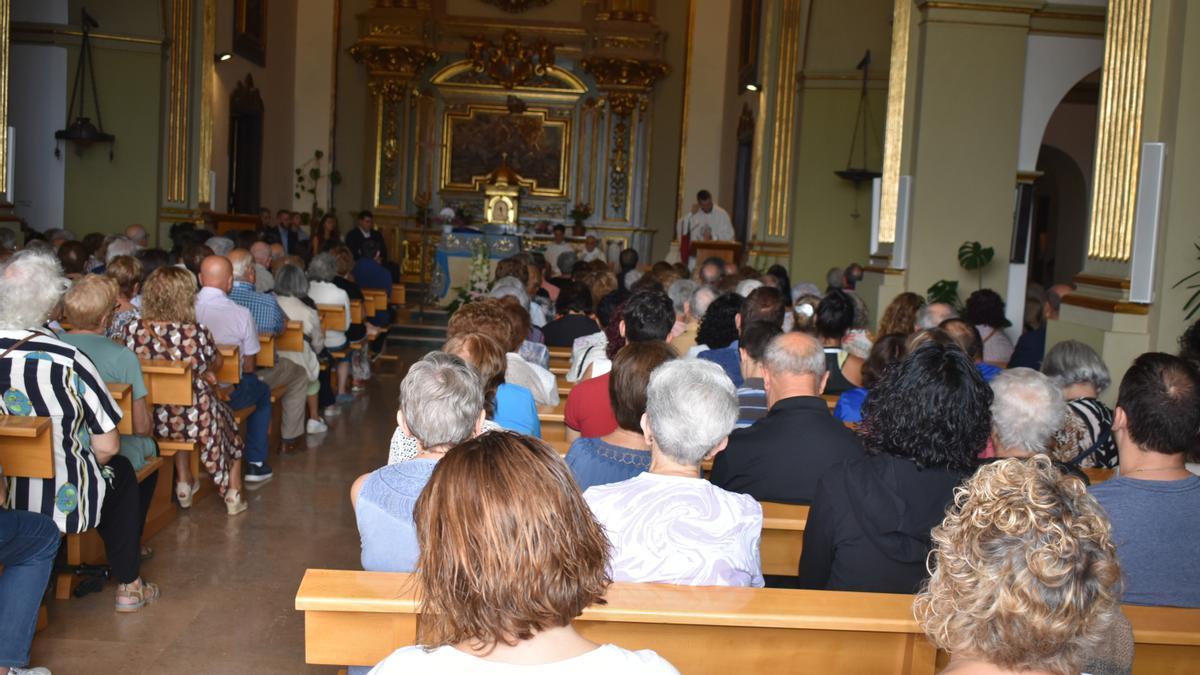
<point>574,320</point>
<point>781,457</point>
<point>364,231</point>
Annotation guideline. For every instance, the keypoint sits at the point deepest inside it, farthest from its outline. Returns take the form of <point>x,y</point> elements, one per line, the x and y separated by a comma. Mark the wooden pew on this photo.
<point>170,383</point>
<point>831,400</point>
<point>292,338</point>
<point>265,358</point>
<point>554,429</point>
<point>560,358</point>
<point>358,618</point>
<point>231,366</point>
<point>1097,475</point>
<point>26,446</point>
<point>398,295</point>
<point>378,300</point>
<point>356,311</point>
<point>782,537</point>
<point>123,395</point>
<point>333,317</point>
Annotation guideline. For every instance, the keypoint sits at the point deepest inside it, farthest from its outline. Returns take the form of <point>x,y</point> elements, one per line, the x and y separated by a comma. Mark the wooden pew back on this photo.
<point>265,358</point>
<point>292,339</point>
<point>27,446</point>
<point>231,366</point>
<point>123,395</point>
<point>782,537</point>
<point>333,317</point>
<point>169,382</point>
<point>356,311</point>
<point>378,300</point>
<point>398,295</point>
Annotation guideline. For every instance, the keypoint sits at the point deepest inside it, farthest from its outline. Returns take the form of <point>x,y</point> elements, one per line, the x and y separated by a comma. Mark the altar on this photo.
<point>461,255</point>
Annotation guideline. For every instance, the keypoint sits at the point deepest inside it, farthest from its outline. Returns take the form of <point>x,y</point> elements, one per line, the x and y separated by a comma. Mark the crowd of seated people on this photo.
<point>78,316</point>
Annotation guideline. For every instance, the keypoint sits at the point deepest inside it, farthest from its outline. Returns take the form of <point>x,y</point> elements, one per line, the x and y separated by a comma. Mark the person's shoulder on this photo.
<point>403,660</point>
<point>642,661</point>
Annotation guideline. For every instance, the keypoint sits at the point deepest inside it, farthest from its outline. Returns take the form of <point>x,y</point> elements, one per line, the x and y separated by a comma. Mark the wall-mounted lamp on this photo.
<point>223,56</point>
<point>752,87</point>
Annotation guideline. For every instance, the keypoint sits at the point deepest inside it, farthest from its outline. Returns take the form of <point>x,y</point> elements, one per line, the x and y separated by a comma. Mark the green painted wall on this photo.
<point>103,195</point>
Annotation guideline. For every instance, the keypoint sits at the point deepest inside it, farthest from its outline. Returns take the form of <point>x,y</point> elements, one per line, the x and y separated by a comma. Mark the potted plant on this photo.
<point>580,212</point>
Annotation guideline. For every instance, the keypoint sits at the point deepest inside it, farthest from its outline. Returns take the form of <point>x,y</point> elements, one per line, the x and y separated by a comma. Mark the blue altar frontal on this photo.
<point>455,251</point>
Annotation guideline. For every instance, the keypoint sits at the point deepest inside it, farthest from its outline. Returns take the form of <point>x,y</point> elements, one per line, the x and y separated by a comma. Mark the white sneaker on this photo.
<point>28,671</point>
<point>331,411</point>
<point>316,427</point>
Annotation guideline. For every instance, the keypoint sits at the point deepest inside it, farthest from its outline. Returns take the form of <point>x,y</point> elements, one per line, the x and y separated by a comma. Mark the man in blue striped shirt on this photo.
<point>752,395</point>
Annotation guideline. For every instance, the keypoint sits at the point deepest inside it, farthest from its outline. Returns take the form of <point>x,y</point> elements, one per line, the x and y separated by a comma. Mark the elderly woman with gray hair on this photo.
<point>321,290</point>
<point>669,525</point>
<point>1081,374</point>
<point>441,405</point>
<point>291,291</point>
<point>1028,414</point>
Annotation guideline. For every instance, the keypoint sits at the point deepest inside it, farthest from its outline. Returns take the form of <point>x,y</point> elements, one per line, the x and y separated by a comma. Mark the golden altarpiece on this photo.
<point>564,107</point>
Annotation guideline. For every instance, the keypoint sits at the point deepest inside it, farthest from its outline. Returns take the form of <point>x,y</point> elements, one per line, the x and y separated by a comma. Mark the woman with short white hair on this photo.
<point>1027,411</point>
<point>1082,375</point>
<point>669,525</point>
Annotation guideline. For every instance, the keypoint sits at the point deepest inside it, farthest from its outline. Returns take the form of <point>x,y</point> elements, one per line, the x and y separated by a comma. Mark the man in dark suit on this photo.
<point>781,457</point>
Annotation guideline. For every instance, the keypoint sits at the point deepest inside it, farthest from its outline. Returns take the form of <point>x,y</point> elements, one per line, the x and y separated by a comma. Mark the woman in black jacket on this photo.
<point>924,425</point>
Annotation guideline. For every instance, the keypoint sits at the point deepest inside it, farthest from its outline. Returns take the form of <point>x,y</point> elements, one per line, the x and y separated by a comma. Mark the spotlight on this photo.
<point>223,56</point>
<point>751,87</point>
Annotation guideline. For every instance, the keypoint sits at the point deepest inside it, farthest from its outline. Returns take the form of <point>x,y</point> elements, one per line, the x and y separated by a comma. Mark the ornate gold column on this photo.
<point>4,43</point>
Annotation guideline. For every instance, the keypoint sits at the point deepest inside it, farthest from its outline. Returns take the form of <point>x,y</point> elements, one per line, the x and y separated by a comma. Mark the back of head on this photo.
<point>119,246</point>
<point>985,307</point>
<point>805,313</point>
<point>755,338</point>
<point>887,351</point>
<point>628,259</point>
<point>965,335</point>
<point>220,245</point>
<point>1160,395</point>
<point>574,297</point>
<point>711,271</point>
<point>323,267</point>
<point>152,259</point>
<point>649,316</point>
<point>242,263</point>
<point>508,546</point>
<point>835,278</point>
<point>169,294</point>
<point>520,323</point>
<point>127,272</point>
<point>89,302</point>
<point>691,406</point>
<point>1072,362</point>
<point>700,300</point>
<point>441,398</point>
<point>344,260</point>
<point>486,356</point>
<point>1027,410</point>
<point>933,407</point>
<point>608,306</point>
<point>718,327</point>
<point>600,283</point>
<point>513,267</point>
<point>215,272</point>
<point>566,262</point>
<point>933,314</point>
<point>290,282</point>
<point>900,316</point>
<point>510,287</point>
<point>31,284</point>
<point>193,255</point>
<point>74,256</point>
<point>794,354</point>
<point>1024,571</point>
<point>631,371</point>
<point>747,286</point>
<point>763,304</point>
<point>835,315</point>
<point>484,316</point>
<point>680,291</point>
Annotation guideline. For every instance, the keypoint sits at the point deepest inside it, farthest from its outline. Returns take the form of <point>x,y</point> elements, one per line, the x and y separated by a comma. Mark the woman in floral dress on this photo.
<point>167,329</point>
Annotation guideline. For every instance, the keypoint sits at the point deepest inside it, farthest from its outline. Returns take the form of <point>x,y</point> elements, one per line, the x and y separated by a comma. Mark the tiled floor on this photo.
<point>229,583</point>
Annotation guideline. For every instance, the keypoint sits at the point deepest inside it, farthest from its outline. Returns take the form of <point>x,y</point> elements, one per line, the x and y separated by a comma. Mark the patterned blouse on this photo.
<point>46,377</point>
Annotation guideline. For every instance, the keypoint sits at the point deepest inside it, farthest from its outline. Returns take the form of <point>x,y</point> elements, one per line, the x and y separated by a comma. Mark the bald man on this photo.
<point>232,324</point>
<point>781,457</point>
<point>264,281</point>
<point>269,319</point>
<point>138,235</point>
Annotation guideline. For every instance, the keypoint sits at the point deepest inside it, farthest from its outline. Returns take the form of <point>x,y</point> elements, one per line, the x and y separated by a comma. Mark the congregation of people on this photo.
<point>79,316</point>
<point>938,457</point>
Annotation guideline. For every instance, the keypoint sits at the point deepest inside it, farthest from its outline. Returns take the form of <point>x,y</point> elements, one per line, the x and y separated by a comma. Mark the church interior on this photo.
<point>1030,165</point>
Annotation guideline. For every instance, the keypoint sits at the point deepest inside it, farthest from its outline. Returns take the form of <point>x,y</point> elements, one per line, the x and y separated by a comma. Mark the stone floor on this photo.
<point>229,584</point>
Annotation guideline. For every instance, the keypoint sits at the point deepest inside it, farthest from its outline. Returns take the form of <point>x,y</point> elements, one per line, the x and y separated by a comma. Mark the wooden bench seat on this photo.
<point>782,537</point>
<point>357,618</point>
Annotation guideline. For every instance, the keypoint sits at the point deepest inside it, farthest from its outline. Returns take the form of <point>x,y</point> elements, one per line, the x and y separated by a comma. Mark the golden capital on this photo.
<point>390,89</point>
<point>624,73</point>
<point>402,61</point>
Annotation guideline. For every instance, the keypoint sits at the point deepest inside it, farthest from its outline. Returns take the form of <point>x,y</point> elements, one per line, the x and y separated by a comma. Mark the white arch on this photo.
<point>1053,64</point>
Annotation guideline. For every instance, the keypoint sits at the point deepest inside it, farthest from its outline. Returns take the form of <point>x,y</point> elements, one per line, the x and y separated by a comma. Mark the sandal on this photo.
<point>130,600</point>
<point>146,553</point>
<point>184,493</point>
<point>234,502</point>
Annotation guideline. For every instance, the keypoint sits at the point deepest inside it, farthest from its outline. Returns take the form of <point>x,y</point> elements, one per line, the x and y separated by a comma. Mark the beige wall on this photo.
<point>710,119</point>
<point>355,125</point>
<point>103,195</point>
<point>312,98</point>
<point>276,84</point>
<point>665,127</point>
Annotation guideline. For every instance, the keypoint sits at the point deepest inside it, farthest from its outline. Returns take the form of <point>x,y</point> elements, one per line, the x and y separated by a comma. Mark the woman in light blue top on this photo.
<point>441,405</point>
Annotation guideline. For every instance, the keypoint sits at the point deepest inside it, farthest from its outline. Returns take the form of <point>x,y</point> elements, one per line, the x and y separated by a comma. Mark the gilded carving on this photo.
<point>513,62</point>
<point>390,92</point>
<point>398,60</point>
<point>516,6</point>
<point>623,103</point>
<point>622,72</point>
<point>618,164</point>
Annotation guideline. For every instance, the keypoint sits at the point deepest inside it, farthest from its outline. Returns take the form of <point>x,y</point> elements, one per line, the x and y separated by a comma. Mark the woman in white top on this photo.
<point>669,525</point>
<point>291,290</point>
<point>322,291</point>
<point>503,574</point>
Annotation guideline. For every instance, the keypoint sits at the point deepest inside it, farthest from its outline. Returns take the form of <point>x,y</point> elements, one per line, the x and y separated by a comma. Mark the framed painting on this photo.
<point>482,137</point>
<point>250,30</point>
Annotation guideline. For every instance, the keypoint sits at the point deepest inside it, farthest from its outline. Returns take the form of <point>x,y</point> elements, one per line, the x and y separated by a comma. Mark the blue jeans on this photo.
<point>252,392</point>
<point>28,544</point>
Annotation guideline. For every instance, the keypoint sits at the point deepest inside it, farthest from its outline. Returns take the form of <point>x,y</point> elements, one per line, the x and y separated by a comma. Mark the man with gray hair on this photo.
<point>441,405</point>
<point>693,310</point>
<point>1027,410</point>
<point>120,245</point>
<point>138,235</point>
<point>264,281</point>
<point>781,457</point>
<point>933,314</point>
<point>680,291</point>
<point>220,245</point>
<point>669,525</point>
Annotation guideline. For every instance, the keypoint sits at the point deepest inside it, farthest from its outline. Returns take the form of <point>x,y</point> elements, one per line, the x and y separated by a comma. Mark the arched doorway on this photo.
<point>1062,194</point>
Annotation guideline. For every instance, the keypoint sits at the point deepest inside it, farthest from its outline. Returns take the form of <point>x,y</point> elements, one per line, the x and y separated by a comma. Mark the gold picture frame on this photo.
<point>250,30</point>
<point>473,174</point>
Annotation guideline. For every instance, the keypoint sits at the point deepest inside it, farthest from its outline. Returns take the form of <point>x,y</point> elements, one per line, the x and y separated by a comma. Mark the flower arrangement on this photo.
<point>580,212</point>
<point>477,283</point>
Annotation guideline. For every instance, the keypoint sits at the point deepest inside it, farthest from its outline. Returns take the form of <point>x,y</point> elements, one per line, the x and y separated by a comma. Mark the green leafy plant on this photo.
<point>973,256</point>
<point>944,291</point>
<point>1193,303</point>
<point>308,178</point>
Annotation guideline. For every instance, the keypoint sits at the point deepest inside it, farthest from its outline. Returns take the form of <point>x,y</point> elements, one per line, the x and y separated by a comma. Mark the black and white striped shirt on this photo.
<point>46,377</point>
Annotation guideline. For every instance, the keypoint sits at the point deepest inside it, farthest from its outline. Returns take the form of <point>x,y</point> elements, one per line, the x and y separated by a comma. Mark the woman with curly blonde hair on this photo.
<point>1025,577</point>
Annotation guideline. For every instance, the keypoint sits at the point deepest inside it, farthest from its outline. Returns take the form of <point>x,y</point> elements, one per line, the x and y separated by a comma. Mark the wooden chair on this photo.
<point>782,537</point>
<point>123,395</point>
<point>265,358</point>
<point>398,295</point>
<point>358,618</point>
<point>170,383</point>
<point>292,338</point>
